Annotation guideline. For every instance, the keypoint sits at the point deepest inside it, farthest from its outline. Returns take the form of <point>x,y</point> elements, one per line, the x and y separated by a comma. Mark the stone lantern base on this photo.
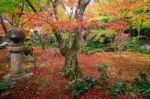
<point>12,78</point>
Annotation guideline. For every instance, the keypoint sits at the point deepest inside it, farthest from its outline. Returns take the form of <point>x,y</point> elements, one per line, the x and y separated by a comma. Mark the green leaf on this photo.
<point>9,6</point>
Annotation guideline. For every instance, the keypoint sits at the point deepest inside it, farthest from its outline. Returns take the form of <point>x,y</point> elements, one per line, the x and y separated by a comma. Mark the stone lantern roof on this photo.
<point>15,33</point>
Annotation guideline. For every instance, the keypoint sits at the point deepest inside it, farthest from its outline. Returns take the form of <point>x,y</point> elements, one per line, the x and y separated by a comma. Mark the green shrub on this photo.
<point>104,77</point>
<point>28,50</point>
<point>51,41</point>
<point>135,43</point>
<point>102,69</point>
<point>117,88</point>
<point>78,86</point>
<point>68,73</point>
<point>138,10</point>
<point>142,83</point>
<point>97,40</point>
<point>4,85</point>
<point>93,47</point>
<point>143,51</point>
<point>132,43</point>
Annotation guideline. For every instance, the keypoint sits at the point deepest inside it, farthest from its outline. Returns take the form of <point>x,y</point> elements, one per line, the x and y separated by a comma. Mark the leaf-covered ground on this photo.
<point>48,82</point>
<point>4,63</point>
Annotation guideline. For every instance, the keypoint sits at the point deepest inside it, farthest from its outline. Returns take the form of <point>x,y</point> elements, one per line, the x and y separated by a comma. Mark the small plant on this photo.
<point>104,77</point>
<point>103,73</point>
<point>142,83</point>
<point>78,86</point>
<point>68,73</point>
<point>43,81</point>
<point>4,85</point>
<point>119,87</point>
<point>102,67</point>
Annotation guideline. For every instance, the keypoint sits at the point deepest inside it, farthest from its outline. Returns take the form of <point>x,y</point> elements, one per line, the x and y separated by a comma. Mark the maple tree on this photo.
<point>11,12</point>
<point>7,6</point>
<point>140,15</point>
<point>69,47</point>
<point>119,13</point>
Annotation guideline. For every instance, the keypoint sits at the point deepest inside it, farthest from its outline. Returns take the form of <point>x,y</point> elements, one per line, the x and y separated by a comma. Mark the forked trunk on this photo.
<point>71,66</point>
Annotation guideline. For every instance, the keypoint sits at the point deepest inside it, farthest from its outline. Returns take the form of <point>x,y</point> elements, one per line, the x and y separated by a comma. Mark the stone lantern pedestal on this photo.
<point>16,59</point>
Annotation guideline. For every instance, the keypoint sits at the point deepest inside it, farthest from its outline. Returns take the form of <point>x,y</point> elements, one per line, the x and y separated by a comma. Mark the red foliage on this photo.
<point>59,25</point>
<point>119,24</point>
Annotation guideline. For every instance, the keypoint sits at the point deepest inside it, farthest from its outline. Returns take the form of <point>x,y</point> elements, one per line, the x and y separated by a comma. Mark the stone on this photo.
<point>16,61</point>
<point>13,79</point>
<point>5,95</point>
<point>146,47</point>
<point>16,36</point>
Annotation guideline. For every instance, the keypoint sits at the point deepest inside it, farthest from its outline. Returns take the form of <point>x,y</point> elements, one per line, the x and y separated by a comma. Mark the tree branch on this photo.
<point>55,4</point>
<point>3,24</point>
<point>82,4</point>
<point>47,7</point>
<point>32,7</point>
<point>21,7</point>
<point>63,44</point>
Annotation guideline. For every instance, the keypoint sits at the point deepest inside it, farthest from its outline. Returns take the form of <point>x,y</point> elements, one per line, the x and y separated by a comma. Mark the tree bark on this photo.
<point>71,66</point>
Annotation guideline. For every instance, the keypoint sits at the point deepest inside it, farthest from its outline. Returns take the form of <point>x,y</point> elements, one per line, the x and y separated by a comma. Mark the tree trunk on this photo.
<point>42,42</point>
<point>71,66</point>
<point>140,26</point>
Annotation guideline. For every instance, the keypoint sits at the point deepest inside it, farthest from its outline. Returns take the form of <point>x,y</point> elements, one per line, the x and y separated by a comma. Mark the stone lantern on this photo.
<point>16,37</point>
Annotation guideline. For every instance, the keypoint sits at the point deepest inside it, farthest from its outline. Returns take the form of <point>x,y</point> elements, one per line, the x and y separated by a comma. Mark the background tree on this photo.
<point>8,7</point>
<point>11,12</point>
<point>119,13</point>
<point>140,15</point>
